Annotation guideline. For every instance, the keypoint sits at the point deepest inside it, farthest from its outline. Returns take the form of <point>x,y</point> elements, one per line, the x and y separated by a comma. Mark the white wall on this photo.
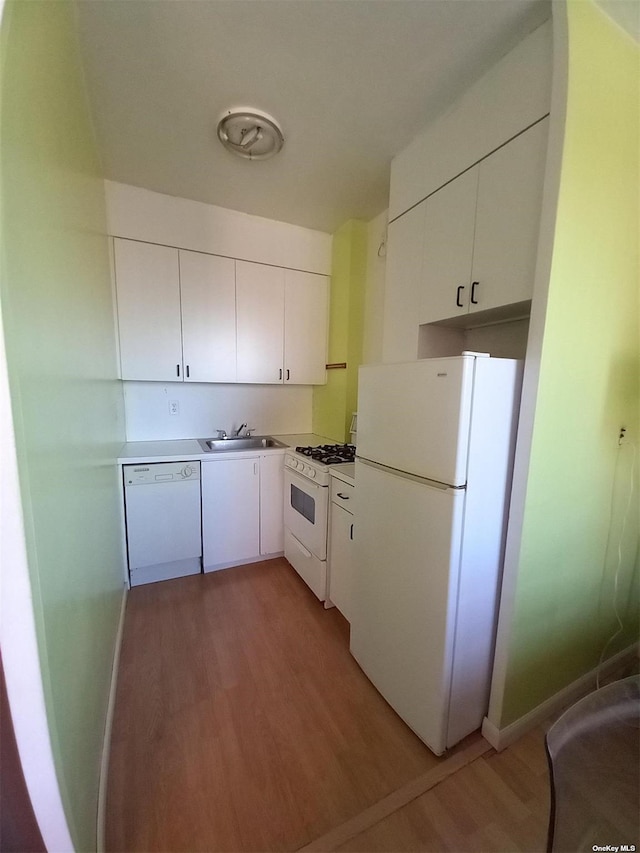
<point>152,217</point>
<point>204,408</point>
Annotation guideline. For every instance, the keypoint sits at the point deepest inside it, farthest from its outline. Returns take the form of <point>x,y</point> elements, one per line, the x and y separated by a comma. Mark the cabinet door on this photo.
<point>230,511</point>
<point>306,304</point>
<point>271,503</point>
<point>448,249</point>
<point>508,218</point>
<point>340,571</point>
<point>260,322</point>
<point>148,293</point>
<point>208,291</point>
<point>402,286</point>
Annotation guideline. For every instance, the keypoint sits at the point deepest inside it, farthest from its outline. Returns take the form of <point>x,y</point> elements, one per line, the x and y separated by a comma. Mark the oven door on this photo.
<point>305,512</point>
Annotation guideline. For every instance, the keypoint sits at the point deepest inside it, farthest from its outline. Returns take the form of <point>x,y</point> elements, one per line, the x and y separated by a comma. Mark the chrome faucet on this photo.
<point>221,433</point>
<point>239,430</point>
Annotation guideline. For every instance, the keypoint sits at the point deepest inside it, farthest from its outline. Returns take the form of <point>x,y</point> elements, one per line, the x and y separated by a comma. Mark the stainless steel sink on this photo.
<point>254,442</point>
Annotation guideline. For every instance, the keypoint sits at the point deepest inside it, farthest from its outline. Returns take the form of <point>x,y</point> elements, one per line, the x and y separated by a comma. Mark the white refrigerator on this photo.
<point>433,473</point>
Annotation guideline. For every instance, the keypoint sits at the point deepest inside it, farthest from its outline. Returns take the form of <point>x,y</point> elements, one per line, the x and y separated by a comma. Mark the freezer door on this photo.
<point>407,538</point>
<point>415,416</point>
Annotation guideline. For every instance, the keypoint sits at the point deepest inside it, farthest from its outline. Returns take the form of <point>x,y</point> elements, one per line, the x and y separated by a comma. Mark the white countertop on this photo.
<point>345,472</point>
<point>189,450</point>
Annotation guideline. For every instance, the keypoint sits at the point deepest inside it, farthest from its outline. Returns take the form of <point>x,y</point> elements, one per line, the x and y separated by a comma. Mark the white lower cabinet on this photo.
<point>242,510</point>
<point>341,532</point>
<point>230,512</point>
<point>271,504</point>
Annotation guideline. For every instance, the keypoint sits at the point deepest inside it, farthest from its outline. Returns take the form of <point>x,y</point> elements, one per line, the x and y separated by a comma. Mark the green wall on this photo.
<point>588,388</point>
<point>67,404</point>
<point>334,403</point>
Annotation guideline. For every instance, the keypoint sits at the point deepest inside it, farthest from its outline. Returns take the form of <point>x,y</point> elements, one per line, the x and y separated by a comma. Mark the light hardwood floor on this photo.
<point>242,723</point>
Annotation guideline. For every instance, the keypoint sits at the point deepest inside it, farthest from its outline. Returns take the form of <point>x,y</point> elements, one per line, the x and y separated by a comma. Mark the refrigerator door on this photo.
<point>407,536</point>
<point>415,416</point>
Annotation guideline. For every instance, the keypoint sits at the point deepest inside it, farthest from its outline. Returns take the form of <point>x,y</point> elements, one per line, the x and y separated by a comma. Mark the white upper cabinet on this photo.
<point>480,236</point>
<point>260,322</point>
<point>306,310</point>
<point>448,248</point>
<point>282,320</point>
<point>208,291</point>
<point>507,221</point>
<point>193,317</point>
<point>148,294</point>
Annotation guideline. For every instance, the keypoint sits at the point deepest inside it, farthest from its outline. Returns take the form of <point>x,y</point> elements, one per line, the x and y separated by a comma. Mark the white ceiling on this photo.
<point>350,81</point>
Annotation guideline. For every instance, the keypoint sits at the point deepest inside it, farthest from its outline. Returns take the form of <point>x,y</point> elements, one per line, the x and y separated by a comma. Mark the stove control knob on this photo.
<point>297,464</point>
<point>312,473</point>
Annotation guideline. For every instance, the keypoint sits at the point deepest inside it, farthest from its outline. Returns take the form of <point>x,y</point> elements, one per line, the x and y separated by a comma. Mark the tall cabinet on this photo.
<point>469,248</point>
<point>481,232</point>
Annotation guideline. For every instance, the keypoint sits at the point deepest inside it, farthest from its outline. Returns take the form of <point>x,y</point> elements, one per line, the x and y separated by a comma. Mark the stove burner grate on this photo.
<point>329,454</point>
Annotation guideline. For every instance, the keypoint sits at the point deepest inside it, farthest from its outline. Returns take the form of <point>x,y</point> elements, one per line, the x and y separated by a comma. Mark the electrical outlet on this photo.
<point>174,408</point>
<point>621,435</point>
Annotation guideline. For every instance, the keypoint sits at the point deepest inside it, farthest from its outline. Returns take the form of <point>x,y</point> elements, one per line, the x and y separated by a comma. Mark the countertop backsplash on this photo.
<point>204,408</point>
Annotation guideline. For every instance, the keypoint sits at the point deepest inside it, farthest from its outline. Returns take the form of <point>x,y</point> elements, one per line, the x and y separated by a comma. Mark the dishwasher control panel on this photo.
<point>160,472</point>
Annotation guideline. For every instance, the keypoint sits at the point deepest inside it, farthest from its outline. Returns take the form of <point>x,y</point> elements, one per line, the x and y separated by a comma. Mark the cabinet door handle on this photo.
<point>458,292</point>
<point>351,533</point>
<point>280,374</point>
<point>187,371</point>
<point>342,497</point>
<point>288,374</point>
<point>473,292</point>
<point>177,370</point>
<point>255,467</point>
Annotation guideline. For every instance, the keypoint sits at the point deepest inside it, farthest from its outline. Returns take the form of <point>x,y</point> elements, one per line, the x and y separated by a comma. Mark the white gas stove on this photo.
<point>306,509</point>
<point>315,462</point>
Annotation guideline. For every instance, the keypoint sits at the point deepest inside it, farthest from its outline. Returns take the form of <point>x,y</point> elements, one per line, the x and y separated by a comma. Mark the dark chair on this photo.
<point>594,764</point>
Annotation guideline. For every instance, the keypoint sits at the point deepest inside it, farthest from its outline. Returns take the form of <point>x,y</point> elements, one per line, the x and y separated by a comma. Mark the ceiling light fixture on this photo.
<point>250,133</point>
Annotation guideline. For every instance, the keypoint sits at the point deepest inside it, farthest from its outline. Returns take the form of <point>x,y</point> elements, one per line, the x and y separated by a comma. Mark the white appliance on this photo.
<point>433,468</point>
<point>306,509</point>
<point>164,520</point>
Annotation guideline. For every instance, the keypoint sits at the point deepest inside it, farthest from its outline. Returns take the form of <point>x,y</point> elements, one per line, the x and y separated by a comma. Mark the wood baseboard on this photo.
<point>106,742</point>
<point>502,738</point>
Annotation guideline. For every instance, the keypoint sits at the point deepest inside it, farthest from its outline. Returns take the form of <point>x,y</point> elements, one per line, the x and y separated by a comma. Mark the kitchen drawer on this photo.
<point>312,570</point>
<point>343,494</point>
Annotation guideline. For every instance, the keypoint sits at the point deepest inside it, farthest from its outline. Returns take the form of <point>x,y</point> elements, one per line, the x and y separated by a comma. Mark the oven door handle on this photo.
<point>304,550</point>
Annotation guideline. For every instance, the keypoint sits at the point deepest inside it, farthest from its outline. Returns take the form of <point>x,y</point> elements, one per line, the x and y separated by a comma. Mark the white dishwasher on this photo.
<point>164,520</point>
